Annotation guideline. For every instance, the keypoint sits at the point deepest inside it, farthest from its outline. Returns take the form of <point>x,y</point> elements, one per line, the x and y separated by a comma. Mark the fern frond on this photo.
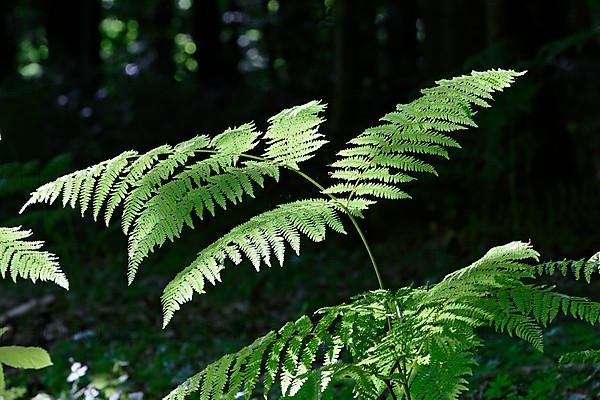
<point>162,190</point>
<point>423,340</point>
<point>277,356</point>
<point>257,240</point>
<point>379,159</point>
<point>131,178</point>
<point>292,136</point>
<point>587,268</point>
<point>580,356</point>
<point>24,259</point>
<point>172,206</point>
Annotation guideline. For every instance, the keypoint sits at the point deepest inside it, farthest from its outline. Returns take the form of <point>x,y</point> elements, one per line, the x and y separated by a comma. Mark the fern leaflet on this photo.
<point>24,259</point>
<point>257,240</point>
<point>382,158</point>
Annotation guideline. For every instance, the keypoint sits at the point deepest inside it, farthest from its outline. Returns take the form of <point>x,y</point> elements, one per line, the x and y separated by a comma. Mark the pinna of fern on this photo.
<point>384,157</point>
<point>21,258</point>
<point>259,239</point>
<point>427,352</point>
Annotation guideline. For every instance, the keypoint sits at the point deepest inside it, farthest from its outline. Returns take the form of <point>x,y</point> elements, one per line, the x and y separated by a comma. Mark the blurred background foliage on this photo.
<point>81,80</point>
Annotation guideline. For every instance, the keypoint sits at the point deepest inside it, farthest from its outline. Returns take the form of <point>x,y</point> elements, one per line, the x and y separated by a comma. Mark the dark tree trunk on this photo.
<point>453,31</point>
<point>217,60</point>
<point>345,74</point>
<point>296,31</point>
<point>72,30</point>
<point>355,63</point>
<point>400,53</point>
<point>162,38</point>
<point>526,31</point>
<point>495,21</point>
<point>8,40</point>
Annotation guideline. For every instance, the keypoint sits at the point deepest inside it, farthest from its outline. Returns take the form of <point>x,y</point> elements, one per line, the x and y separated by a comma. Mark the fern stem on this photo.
<point>391,389</point>
<point>368,248</point>
<point>406,391</point>
<point>405,381</point>
<point>335,199</point>
<point>352,219</point>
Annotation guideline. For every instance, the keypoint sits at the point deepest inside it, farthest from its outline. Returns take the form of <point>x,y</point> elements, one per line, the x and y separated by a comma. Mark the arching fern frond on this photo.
<point>21,258</point>
<point>382,158</point>
<point>258,240</point>
<point>166,188</point>
<point>497,285</point>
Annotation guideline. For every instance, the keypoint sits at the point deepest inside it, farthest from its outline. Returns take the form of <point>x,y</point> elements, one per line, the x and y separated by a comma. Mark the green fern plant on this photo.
<point>25,259</point>
<point>414,343</point>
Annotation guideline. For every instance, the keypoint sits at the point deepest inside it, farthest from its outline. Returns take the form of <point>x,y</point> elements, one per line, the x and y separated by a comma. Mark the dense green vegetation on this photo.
<point>83,81</point>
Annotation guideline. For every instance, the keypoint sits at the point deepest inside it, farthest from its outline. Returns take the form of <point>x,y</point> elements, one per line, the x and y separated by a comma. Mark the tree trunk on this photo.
<point>73,34</point>
<point>355,63</point>
<point>8,40</point>
<point>345,66</point>
<point>296,33</point>
<point>452,33</point>
<point>217,60</point>
<point>400,54</point>
<point>162,38</point>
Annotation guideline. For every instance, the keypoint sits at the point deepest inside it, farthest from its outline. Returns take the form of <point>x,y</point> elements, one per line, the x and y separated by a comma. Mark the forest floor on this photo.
<point>115,331</point>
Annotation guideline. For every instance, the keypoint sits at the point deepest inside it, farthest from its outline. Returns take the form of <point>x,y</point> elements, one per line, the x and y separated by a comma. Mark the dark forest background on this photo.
<point>81,80</point>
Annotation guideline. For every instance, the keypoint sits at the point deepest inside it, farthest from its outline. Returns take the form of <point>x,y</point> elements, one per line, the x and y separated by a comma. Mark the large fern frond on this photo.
<point>289,357</point>
<point>25,259</point>
<point>165,189</point>
<point>258,240</point>
<point>384,157</point>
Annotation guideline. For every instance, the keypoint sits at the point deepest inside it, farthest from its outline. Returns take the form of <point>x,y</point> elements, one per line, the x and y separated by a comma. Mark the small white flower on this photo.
<point>42,396</point>
<point>135,396</point>
<point>90,393</point>
<point>116,395</point>
<point>77,371</point>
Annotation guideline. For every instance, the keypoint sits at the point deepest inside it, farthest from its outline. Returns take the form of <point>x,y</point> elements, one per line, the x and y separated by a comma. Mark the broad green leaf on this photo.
<point>24,357</point>
<point>2,384</point>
